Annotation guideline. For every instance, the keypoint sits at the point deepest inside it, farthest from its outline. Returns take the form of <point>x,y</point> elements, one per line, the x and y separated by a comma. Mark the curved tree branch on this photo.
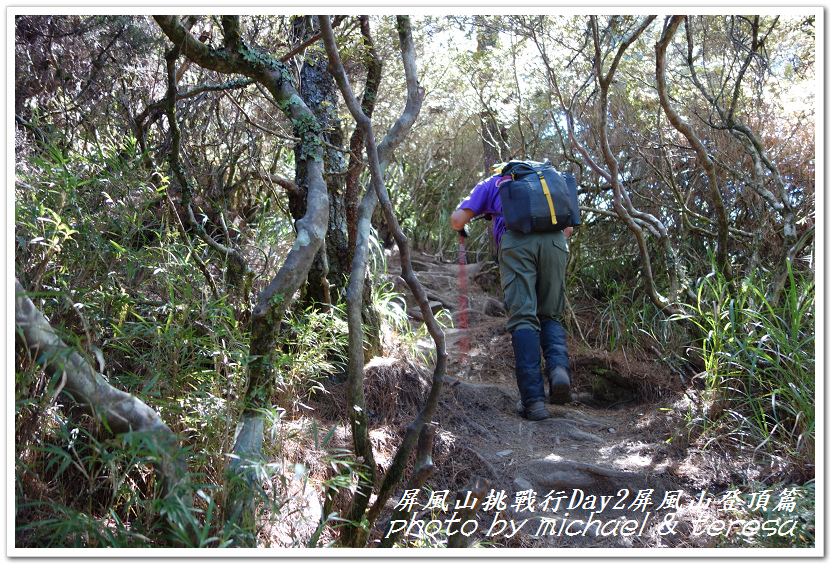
<point>374,68</point>
<point>119,411</point>
<point>624,209</point>
<point>621,201</point>
<point>236,57</point>
<point>780,202</point>
<point>686,130</point>
<point>238,271</point>
<point>357,537</point>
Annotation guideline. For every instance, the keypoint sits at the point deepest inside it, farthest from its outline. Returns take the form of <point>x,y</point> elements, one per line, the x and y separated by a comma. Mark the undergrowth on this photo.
<point>759,381</point>
<point>97,249</point>
<point>791,507</point>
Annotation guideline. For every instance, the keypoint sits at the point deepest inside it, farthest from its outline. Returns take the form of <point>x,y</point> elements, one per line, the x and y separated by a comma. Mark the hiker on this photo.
<point>532,269</point>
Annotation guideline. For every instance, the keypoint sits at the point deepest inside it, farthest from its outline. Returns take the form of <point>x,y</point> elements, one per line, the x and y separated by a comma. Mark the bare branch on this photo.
<point>354,295</point>
<point>686,130</point>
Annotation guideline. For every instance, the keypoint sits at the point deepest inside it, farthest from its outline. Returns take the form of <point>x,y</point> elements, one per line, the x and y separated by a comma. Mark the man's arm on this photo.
<point>461,217</point>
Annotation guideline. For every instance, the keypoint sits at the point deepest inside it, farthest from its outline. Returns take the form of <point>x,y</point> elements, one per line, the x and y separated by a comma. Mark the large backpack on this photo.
<point>537,198</point>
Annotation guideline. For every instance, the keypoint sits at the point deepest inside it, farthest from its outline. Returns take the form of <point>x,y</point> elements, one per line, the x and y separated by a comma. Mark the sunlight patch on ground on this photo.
<point>381,361</point>
<point>383,446</point>
<point>296,520</point>
<point>636,456</point>
<point>633,461</point>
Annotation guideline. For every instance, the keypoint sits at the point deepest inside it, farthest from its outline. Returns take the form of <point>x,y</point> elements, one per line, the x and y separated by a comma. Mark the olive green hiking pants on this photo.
<point>533,277</point>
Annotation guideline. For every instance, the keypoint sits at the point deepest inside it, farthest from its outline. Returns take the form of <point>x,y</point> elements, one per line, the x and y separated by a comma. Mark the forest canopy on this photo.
<point>220,223</point>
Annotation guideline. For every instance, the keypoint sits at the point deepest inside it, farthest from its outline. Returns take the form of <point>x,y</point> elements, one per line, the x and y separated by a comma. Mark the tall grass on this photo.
<point>760,367</point>
<point>112,273</point>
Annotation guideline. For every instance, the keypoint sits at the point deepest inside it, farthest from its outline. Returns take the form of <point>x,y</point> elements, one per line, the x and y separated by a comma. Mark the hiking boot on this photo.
<point>534,411</point>
<point>529,376</point>
<point>555,350</point>
<point>559,381</point>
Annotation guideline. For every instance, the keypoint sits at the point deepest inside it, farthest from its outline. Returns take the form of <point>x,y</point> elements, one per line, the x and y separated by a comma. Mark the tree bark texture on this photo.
<point>327,275</point>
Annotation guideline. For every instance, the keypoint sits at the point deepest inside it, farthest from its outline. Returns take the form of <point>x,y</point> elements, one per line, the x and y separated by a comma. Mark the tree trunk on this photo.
<point>355,535</point>
<point>237,57</point>
<point>371,318</point>
<point>327,276</point>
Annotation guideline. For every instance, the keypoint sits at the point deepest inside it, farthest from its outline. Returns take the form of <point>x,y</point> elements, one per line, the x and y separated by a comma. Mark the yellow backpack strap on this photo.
<point>546,190</point>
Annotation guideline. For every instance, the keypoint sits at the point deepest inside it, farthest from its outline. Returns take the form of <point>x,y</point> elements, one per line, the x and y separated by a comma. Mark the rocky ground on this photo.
<point>615,458</point>
<point>615,468</point>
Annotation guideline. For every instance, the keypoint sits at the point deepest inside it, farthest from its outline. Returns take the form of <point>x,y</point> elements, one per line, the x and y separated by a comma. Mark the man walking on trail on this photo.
<point>533,280</point>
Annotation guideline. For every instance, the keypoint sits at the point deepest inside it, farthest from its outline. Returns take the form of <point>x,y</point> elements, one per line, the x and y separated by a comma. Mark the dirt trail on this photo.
<point>607,447</point>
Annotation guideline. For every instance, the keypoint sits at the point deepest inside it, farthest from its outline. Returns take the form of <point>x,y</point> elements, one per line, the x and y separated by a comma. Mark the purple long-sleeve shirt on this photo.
<point>484,198</point>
